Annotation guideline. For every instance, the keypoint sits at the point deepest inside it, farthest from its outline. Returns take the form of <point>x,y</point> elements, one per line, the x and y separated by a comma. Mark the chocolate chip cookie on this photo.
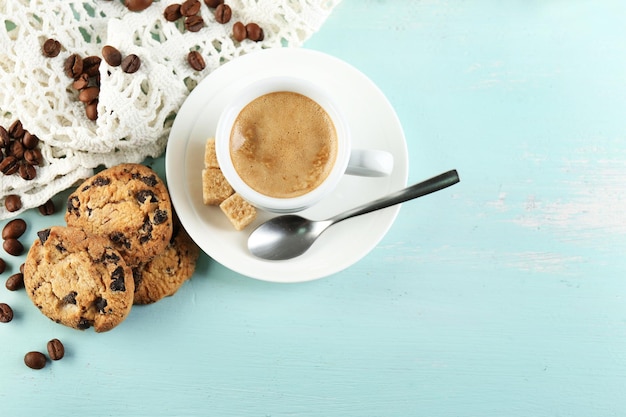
<point>163,275</point>
<point>129,205</point>
<point>78,279</point>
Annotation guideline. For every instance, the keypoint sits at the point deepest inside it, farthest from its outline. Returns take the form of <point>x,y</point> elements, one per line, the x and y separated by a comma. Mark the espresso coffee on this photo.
<point>283,144</point>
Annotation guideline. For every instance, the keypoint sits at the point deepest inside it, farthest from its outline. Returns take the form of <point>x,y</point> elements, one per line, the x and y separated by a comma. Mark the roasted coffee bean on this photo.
<point>13,247</point>
<point>91,110</point>
<point>5,139</point>
<point>16,149</point>
<point>35,360</point>
<point>81,82</point>
<point>223,13</point>
<point>195,60</point>
<point>27,171</point>
<point>51,48</point>
<point>131,64</point>
<point>239,31</point>
<point>112,55</point>
<point>15,282</point>
<point>89,94</point>
<point>3,265</point>
<point>14,229</point>
<point>56,350</point>
<point>47,208</point>
<point>190,7</point>
<point>16,130</point>
<point>9,166</point>
<point>13,202</point>
<point>22,268</point>
<point>33,157</point>
<point>29,140</point>
<point>73,66</point>
<point>138,5</point>
<point>91,65</point>
<point>172,12</point>
<point>194,23</point>
<point>254,31</point>
<point>6,313</point>
<point>213,3</point>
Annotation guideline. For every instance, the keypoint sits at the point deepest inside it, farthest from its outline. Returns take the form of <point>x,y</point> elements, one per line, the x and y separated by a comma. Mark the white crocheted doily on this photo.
<point>135,111</point>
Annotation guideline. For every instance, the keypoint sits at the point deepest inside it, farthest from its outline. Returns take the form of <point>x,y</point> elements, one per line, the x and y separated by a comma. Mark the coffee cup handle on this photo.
<point>370,163</point>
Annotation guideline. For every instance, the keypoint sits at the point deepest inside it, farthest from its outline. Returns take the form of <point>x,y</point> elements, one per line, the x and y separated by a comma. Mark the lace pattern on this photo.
<point>135,111</point>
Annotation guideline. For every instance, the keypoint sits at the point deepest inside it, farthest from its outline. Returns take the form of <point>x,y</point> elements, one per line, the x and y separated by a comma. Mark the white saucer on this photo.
<point>373,123</point>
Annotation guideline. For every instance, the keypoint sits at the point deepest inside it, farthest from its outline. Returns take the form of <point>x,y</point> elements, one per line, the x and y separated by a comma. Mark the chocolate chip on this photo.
<point>70,298</point>
<point>137,277</point>
<point>56,350</point>
<point>73,205</point>
<point>195,60</point>
<point>160,216</point>
<point>84,324</point>
<point>15,282</point>
<point>14,229</point>
<point>119,239</point>
<point>145,231</point>
<point>6,313</point>
<point>110,257</point>
<point>150,181</point>
<point>47,208</point>
<point>100,304</point>
<point>254,31</point>
<point>194,23</point>
<point>73,66</point>
<point>130,64</point>
<point>239,31</point>
<point>117,280</point>
<point>60,247</point>
<point>35,360</point>
<point>143,195</point>
<point>190,7</point>
<point>172,12</point>
<point>51,48</point>
<point>223,13</point>
<point>13,202</point>
<point>112,55</point>
<point>13,247</point>
<point>43,235</point>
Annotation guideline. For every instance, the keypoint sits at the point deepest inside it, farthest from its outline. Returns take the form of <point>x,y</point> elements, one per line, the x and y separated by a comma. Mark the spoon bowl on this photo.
<point>288,236</point>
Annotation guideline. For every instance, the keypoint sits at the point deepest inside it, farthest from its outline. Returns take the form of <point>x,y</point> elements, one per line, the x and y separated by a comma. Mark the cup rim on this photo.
<point>257,89</point>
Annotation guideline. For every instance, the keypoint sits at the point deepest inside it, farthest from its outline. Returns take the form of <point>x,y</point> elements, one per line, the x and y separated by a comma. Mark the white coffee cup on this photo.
<point>362,162</point>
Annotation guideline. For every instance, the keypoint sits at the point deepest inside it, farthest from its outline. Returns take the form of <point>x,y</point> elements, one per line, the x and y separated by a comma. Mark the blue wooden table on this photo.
<point>504,296</point>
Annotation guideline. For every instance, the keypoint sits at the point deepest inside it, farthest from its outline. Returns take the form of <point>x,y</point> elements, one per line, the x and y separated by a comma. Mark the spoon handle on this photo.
<point>428,186</point>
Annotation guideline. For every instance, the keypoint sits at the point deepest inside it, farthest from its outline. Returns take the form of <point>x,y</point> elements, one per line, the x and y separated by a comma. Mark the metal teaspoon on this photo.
<point>288,236</point>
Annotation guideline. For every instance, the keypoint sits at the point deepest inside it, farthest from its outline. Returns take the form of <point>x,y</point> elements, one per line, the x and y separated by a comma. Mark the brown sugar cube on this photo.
<point>215,188</point>
<point>239,211</point>
<point>210,157</point>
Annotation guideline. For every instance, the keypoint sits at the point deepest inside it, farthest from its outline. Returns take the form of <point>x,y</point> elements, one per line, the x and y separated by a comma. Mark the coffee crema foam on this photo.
<point>283,144</point>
